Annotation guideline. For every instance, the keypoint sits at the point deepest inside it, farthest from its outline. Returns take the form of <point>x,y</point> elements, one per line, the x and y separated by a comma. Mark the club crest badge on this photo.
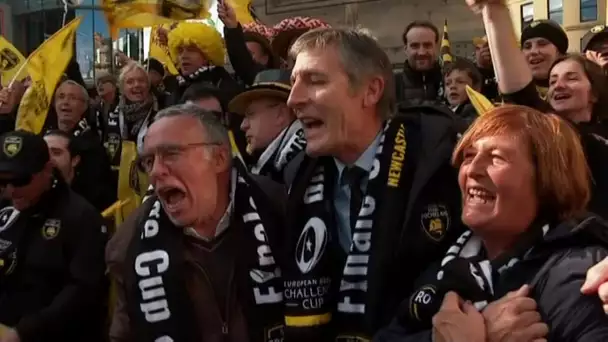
<point>51,228</point>
<point>12,146</point>
<point>435,221</point>
<point>275,334</point>
<point>8,215</point>
<point>8,60</point>
<point>113,145</point>
<point>598,29</point>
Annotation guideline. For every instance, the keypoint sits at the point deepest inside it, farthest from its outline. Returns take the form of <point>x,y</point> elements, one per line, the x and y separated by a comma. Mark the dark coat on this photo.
<point>58,291</point>
<point>556,269</point>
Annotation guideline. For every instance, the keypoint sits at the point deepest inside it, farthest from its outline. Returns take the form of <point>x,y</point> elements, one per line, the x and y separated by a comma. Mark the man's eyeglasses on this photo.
<point>167,154</point>
<point>15,181</point>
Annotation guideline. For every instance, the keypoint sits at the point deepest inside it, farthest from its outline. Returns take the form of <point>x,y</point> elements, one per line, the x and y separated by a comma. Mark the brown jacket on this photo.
<point>200,289</point>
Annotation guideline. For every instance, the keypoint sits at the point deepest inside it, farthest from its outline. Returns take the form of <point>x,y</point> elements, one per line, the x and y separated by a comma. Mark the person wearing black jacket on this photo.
<point>52,284</point>
<point>93,179</point>
<point>249,52</point>
<point>199,50</point>
<point>578,92</point>
<point>483,61</point>
<point>372,202</point>
<point>156,74</point>
<point>524,200</point>
<point>204,268</point>
<point>421,80</point>
<point>274,136</point>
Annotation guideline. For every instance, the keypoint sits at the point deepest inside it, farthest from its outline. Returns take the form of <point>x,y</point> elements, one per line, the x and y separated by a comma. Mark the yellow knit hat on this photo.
<point>203,36</point>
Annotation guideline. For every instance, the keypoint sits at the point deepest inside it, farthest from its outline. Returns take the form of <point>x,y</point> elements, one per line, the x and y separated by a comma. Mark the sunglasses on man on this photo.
<point>15,181</point>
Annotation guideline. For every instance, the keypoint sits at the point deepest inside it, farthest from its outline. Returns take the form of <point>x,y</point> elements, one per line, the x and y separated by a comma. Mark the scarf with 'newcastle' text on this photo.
<point>331,294</point>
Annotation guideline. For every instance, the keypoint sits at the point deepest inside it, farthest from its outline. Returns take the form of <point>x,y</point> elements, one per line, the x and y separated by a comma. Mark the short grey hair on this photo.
<point>131,66</point>
<point>213,128</point>
<point>361,57</point>
<point>83,90</point>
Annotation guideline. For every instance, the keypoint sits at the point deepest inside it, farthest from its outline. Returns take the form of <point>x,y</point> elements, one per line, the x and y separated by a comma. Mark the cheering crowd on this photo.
<point>314,194</point>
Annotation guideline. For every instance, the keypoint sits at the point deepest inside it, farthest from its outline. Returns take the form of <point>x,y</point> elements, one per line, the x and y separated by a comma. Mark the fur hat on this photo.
<point>203,36</point>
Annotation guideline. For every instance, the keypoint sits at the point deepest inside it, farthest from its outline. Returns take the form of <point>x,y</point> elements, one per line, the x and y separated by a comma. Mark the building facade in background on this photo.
<point>27,23</point>
<point>575,16</point>
<point>386,19</point>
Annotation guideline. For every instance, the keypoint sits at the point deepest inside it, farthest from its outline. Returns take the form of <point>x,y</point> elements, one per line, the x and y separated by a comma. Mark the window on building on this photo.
<point>588,10</point>
<point>556,11</point>
<point>527,14</point>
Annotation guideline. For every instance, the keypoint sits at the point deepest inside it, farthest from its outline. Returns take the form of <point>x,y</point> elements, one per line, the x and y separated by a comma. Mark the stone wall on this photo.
<point>386,19</point>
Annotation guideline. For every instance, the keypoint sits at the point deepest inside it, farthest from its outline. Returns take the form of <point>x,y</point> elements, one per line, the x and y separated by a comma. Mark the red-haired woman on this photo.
<point>578,92</point>
<point>518,270</point>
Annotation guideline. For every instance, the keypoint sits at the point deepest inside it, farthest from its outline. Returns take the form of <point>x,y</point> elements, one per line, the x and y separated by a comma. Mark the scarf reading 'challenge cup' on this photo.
<point>329,295</point>
<point>159,304</point>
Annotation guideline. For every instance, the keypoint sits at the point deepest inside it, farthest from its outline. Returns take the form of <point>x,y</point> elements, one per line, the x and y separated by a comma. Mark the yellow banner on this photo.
<point>445,49</point>
<point>160,51</point>
<point>45,67</point>
<point>132,183</point>
<point>481,103</point>
<point>11,62</point>
<point>244,11</point>
<point>147,13</point>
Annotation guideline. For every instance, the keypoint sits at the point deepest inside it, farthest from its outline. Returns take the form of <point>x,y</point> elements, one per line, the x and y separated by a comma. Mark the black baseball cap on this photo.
<point>23,154</point>
<point>595,34</point>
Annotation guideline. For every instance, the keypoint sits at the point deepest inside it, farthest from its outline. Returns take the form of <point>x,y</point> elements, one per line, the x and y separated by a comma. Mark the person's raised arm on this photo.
<point>510,66</point>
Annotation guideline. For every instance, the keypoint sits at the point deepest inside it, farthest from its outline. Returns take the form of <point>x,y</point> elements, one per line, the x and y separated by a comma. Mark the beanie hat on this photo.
<point>154,65</point>
<point>549,30</point>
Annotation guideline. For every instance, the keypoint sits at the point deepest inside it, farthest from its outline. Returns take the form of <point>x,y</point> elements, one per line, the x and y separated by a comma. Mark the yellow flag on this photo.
<point>481,104</point>
<point>234,147</point>
<point>45,67</point>
<point>244,11</point>
<point>132,183</point>
<point>146,13</point>
<point>446,50</point>
<point>11,63</point>
<point>160,51</point>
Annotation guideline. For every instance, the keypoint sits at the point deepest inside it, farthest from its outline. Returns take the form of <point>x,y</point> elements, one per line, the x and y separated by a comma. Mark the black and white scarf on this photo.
<point>159,305</point>
<point>82,126</point>
<point>128,121</point>
<point>324,285</point>
<point>467,271</point>
<point>195,76</point>
<point>9,240</point>
<point>281,150</point>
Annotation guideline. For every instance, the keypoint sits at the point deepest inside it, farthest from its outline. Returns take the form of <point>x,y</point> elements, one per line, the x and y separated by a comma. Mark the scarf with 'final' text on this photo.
<point>159,304</point>
<point>332,294</point>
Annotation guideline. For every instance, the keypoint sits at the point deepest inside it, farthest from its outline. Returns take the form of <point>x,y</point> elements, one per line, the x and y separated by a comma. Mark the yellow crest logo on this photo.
<point>51,228</point>
<point>598,29</point>
<point>435,221</point>
<point>8,59</point>
<point>12,146</point>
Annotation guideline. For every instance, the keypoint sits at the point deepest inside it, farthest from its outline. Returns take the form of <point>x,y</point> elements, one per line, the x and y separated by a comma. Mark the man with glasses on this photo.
<point>196,262</point>
<point>94,170</point>
<point>51,250</point>
<point>274,136</point>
